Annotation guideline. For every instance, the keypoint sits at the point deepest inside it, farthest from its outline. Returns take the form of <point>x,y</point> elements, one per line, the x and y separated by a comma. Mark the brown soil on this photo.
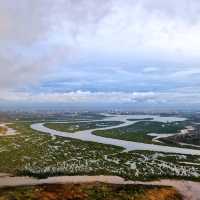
<point>90,191</point>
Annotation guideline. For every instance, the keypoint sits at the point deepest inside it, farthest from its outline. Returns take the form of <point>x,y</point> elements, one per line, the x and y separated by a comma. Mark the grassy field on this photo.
<point>40,155</point>
<point>42,116</point>
<point>80,126</point>
<point>43,153</point>
<point>92,191</point>
<point>138,131</point>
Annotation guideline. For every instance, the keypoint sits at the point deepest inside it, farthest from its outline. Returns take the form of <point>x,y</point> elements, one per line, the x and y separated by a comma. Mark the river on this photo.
<point>86,135</point>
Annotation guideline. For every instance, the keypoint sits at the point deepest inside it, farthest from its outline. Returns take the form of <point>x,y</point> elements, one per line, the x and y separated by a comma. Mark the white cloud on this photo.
<point>41,35</point>
<point>77,97</point>
<point>187,73</point>
<point>31,35</point>
<point>150,69</point>
<point>145,98</point>
<point>148,26</point>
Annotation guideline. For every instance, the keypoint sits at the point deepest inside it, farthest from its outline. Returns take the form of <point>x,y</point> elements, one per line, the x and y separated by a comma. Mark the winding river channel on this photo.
<point>86,135</point>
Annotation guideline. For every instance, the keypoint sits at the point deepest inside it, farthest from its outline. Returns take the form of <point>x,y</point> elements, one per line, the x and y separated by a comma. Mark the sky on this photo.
<point>136,52</point>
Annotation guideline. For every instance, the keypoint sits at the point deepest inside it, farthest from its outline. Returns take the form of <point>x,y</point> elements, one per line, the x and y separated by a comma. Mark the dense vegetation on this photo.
<point>138,132</point>
<point>79,126</point>
<point>41,151</point>
<point>35,154</point>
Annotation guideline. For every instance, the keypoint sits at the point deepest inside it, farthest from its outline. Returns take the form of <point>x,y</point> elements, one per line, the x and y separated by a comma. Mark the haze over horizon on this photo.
<point>140,53</point>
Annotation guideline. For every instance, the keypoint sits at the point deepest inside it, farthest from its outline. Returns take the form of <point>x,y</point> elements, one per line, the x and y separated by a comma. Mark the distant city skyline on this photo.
<point>134,53</point>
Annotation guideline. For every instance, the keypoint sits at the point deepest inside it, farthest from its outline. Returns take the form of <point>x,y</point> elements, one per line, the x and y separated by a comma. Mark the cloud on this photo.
<point>149,26</point>
<point>186,73</point>
<point>150,69</point>
<point>107,47</point>
<point>76,97</point>
<point>31,35</point>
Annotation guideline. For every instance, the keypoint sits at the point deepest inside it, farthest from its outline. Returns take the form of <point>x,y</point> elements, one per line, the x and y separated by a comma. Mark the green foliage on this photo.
<point>79,126</point>
<point>138,132</point>
<point>40,155</point>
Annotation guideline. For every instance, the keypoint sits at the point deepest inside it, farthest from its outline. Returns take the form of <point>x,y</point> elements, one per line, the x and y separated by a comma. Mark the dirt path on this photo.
<point>190,190</point>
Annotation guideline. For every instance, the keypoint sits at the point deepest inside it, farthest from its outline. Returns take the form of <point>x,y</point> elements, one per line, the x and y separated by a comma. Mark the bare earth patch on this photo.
<point>188,189</point>
<point>6,131</point>
<point>90,191</point>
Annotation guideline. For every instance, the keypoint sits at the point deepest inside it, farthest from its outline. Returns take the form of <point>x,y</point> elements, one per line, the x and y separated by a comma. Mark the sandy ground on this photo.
<point>189,190</point>
<point>9,132</point>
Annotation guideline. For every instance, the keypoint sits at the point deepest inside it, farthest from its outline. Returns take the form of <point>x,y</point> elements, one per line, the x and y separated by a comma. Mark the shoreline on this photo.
<point>188,189</point>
